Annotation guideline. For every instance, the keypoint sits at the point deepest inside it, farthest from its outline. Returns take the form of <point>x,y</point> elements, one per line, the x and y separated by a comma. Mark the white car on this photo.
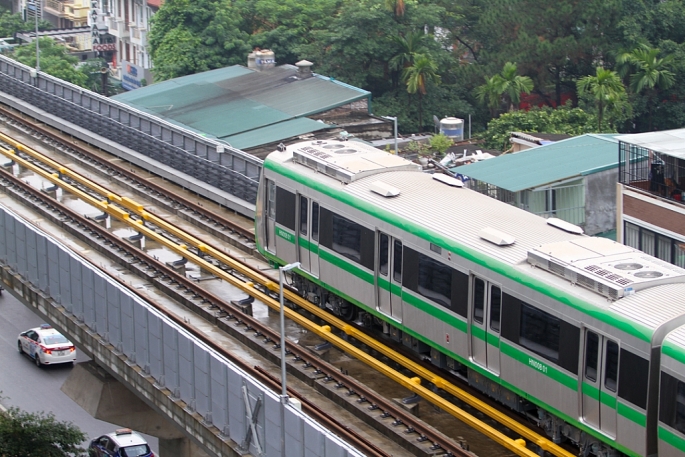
<point>46,346</point>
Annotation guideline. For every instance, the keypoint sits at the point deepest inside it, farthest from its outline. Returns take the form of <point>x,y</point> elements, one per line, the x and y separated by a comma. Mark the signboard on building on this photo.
<point>131,76</point>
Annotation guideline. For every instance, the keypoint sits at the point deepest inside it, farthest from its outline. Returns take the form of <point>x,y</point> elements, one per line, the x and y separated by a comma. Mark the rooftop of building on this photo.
<point>577,156</point>
<point>668,142</point>
<point>245,107</point>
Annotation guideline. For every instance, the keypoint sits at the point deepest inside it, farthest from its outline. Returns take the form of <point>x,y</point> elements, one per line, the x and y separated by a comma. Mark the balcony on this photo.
<point>655,173</point>
<point>56,8</point>
<point>117,27</point>
<point>138,36</point>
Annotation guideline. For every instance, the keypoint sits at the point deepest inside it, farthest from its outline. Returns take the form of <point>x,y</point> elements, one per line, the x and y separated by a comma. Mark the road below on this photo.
<point>34,389</point>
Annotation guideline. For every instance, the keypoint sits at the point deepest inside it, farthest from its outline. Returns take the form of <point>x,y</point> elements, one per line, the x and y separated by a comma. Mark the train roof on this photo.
<point>456,219</point>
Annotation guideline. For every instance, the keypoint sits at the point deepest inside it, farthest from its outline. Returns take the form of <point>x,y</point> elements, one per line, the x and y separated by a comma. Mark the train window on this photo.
<point>679,422</point>
<point>383,241</point>
<point>304,210</point>
<point>633,371</point>
<point>672,402</point>
<point>435,280</point>
<point>397,261</point>
<point>478,299</point>
<point>285,208</point>
<point>460,293</point>
<point>611,366</point>
<point>495,307</point>
<point>540,332</point>
<point>591,351</point>
<point>315,221</point>
<point>347,238</point>
<point>271,189</point>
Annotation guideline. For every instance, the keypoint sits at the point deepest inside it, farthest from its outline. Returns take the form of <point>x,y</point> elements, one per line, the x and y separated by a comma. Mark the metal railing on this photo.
<point>656,173</point>
<point>565,202</point>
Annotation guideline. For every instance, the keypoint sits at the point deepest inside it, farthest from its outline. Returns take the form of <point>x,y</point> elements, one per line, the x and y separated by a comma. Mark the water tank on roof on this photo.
<point>265,59</point>
<point>452,127</point>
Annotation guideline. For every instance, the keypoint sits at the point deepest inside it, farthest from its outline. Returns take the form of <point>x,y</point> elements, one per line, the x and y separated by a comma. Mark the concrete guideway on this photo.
<point>413,384</point>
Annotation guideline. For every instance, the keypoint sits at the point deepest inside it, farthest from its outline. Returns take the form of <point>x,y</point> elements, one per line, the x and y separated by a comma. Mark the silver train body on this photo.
<point>584,335</point>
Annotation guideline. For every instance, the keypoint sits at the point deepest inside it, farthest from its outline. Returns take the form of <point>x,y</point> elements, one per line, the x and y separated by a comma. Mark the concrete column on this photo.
<point>105,398</point>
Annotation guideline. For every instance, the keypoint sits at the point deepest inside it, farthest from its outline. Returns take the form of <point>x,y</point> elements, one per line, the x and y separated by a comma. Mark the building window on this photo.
<point>655,244</point>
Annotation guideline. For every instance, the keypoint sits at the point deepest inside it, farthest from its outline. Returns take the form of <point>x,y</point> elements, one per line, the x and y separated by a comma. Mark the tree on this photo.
<point>513,85</point>
<point>572,121</point>
<point>188,37</point>
<point>417,78</point>
<point>54,60</point>
<point>490,93</point>
<point>606,88</point>
<point>10,24</point>
<point>648,73</point>
<point>409,46</point>
<point>24,434</point>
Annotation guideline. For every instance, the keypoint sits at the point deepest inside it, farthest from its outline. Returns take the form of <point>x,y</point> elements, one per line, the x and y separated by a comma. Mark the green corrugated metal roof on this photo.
<point>276,132</point>
<point>546,164</point>
<point>238,104</point>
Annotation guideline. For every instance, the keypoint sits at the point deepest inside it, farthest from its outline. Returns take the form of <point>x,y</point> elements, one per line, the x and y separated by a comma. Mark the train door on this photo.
<point>486,309</point>
<point>389,276</point>
<point>600,379</point>
<point>308,239</point>
<point>270,244</point>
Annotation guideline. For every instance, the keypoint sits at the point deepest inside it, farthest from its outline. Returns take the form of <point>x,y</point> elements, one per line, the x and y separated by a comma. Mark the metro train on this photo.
<point>581,334</point>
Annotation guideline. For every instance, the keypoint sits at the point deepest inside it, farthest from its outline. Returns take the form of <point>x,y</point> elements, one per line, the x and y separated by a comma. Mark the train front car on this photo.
<point>559,326</point>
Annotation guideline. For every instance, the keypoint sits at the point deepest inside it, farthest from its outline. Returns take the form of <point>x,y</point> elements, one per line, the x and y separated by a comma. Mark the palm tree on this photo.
<point>606,87</point>
<point>490,93</point>
<point>513,85</point>
<point>396,6</point>
<point>418,75</point>
<point>649,72</point>
<point>409,46</point>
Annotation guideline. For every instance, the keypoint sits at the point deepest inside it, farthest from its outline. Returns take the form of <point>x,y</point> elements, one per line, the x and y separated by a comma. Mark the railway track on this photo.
<point>267,287</point>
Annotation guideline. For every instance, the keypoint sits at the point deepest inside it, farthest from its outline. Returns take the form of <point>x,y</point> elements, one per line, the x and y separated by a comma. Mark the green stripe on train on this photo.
<point>532,362</point>
<point>671,438</point>
<point>620,322</point>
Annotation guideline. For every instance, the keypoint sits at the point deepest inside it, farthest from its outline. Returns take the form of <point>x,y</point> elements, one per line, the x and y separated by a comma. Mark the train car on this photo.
<point>671,431</point>
<point>559,326</point>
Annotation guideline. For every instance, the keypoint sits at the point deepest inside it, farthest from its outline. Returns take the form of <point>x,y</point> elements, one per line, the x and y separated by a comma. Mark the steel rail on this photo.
<point>413,385</point>
<point>128,174</point>
<point>325,368</point>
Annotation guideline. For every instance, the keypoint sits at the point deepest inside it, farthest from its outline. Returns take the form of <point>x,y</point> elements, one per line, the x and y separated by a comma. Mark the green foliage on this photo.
<point>54,60</point>
<point>24,434</point>
<point>507,84</point>
<point>607,90</point>
<point>13,23</point>
<point>440,143</point>
<point>188,37</point>
<point>572,121</point>
<point>371,43</point>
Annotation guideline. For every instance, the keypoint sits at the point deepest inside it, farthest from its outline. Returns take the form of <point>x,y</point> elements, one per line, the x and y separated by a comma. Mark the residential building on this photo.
<point>572,179</point>
<point>650,204</point>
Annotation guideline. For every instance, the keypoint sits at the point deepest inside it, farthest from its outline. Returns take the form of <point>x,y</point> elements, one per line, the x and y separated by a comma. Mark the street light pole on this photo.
<point>281,271</point>
<point>395,121</point>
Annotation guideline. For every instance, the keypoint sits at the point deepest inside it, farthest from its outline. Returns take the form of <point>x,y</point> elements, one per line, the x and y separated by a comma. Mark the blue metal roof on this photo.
<point>577,156</point>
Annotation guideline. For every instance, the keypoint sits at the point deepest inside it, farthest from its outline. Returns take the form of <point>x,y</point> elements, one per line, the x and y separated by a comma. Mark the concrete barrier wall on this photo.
<point>223,408</point>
